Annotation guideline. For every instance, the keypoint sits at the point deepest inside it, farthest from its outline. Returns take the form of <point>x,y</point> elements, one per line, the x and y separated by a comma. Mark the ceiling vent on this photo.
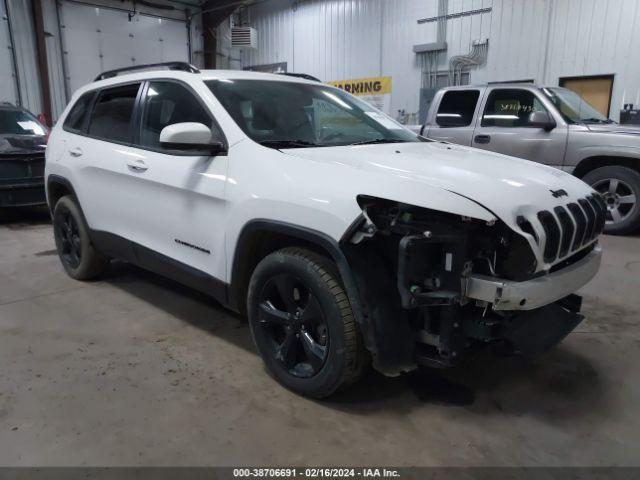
<point>244,37</point>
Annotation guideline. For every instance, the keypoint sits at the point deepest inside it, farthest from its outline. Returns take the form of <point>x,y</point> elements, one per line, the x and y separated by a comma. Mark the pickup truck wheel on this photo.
<point>620,188</point>
<point>302,324</point>
<point>78,256</point>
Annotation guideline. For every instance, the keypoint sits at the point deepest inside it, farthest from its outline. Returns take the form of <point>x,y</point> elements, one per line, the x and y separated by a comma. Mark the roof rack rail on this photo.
<point>306,76</point>
<point>181,66</point>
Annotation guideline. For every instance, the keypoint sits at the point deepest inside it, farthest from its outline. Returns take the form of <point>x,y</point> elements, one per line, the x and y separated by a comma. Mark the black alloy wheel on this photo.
<point>293,321</point>
<point>302,323</point>
<point>67,233</point>
<point>77,254</point>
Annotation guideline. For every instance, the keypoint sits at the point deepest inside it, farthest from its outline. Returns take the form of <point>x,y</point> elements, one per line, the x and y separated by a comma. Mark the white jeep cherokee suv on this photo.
<point>345,238</point>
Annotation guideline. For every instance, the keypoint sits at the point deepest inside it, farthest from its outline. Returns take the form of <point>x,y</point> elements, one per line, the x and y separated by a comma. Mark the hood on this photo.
<point>614,128</point>
<point>506,186</point>
<point>22,144</point>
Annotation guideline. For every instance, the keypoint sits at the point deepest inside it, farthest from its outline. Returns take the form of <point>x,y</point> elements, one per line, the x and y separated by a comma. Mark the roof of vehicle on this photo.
<point>501,85</point>
<point>202,75</point>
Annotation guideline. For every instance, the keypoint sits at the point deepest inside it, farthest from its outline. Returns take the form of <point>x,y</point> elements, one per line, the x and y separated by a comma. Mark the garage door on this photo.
<point>98,39</point>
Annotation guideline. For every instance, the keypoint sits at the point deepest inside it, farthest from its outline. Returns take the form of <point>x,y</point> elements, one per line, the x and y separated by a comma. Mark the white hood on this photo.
<point>504,185</point>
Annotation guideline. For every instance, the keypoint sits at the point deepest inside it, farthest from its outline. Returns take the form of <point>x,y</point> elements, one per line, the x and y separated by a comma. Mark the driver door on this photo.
<point>176,198</point>
<point>504,128</point>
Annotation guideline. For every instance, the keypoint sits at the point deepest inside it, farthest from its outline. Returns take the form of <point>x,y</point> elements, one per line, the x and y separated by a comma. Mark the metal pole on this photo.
<point>43,67</point>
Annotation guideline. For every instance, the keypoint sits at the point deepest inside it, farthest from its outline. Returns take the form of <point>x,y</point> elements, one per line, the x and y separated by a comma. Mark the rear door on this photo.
<point>503,127</point>
<point>99,148</point>
<point>453,121</point>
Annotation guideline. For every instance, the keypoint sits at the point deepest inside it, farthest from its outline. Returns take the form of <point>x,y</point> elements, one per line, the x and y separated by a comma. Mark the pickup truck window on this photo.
<point>280,114</point>
<point>510,108</point>
<point>457,108</point>
<point>573,107</point>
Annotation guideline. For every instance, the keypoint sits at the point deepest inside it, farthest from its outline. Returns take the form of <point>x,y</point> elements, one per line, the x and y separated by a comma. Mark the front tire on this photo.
<point>302,323</point>
<point>620,188</point>
<point>77,254</point>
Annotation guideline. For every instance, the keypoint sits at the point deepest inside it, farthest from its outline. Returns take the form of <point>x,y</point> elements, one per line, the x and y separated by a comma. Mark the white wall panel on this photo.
<point>542,40</point>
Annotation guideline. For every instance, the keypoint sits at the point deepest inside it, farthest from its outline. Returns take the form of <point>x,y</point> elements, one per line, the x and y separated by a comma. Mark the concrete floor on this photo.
<point>136,370</point>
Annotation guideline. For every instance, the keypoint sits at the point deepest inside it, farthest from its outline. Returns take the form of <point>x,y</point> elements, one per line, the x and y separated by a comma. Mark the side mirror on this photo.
<point>541,120</point>
<point>190,136</point>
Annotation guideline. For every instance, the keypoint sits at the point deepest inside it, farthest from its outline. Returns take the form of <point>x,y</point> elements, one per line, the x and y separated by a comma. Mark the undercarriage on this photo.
<point>447,286</point>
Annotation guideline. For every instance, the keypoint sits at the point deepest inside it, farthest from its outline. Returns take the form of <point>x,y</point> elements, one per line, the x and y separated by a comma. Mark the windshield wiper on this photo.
<point>378,140</point>
<point>286,143</point>
<point>596,120</point>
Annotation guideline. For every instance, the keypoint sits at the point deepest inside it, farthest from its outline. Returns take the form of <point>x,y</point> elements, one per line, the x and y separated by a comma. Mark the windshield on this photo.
<point>282,114</point>
<point>573,107</point>
<point>19,122</point>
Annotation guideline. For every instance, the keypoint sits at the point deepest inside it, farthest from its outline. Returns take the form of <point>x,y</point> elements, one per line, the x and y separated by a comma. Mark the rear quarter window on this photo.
<point>457,108</point>
<point>78,114</point>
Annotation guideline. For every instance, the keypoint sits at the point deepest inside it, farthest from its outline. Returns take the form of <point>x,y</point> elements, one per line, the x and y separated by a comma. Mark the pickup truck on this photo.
<point>549,125</point>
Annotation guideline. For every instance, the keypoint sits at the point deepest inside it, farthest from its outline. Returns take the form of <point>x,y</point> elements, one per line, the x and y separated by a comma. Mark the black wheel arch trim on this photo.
<point>320,239</point>
<point>57,179</point>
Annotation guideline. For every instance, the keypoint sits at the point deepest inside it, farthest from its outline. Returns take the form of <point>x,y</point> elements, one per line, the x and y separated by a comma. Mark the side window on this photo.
<point>457,108</point>
<point>75,119</point>
<point>111,115</point>
<point>510,108</point>
<point>167,103</point>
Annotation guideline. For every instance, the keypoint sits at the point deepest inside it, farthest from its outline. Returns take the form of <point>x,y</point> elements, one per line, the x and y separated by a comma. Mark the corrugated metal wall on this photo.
<point>541,40</point>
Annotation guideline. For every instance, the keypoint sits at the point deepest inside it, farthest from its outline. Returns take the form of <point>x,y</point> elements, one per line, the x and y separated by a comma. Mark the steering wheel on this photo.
<point>333,136</point>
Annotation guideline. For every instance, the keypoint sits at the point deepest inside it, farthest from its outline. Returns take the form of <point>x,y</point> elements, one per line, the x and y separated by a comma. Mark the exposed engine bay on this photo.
<point>430,303</point>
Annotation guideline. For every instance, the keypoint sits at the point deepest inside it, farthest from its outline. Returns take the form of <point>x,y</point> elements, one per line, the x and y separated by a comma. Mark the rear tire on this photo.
<point>302,323</point>
<point>620,187</point>
<point>77,254</point>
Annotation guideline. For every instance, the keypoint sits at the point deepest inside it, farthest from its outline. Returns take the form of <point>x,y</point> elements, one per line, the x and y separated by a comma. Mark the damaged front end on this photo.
<point>435,287</point>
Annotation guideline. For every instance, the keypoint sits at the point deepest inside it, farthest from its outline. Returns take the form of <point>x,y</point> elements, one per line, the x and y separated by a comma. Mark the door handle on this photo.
<point>75,152</point>
<point>137,166</point>
<point>482,138</point>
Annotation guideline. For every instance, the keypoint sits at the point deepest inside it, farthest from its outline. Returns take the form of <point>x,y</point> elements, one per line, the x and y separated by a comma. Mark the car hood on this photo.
<point>614,128</point>
<point>506,186</point>
<point>22,144</point>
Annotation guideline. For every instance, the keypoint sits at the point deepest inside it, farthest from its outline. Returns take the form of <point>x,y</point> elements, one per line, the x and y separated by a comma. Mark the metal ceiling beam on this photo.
<point>214,12</point>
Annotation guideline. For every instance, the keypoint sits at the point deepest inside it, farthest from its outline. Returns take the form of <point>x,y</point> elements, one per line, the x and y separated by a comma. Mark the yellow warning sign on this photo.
<point>365,86</point>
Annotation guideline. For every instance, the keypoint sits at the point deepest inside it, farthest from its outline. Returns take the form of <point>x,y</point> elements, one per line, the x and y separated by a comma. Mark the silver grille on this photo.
<point>568,227</point>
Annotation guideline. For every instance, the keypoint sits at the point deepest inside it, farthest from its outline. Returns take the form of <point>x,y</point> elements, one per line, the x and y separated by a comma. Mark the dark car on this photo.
<point>23,141</point>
